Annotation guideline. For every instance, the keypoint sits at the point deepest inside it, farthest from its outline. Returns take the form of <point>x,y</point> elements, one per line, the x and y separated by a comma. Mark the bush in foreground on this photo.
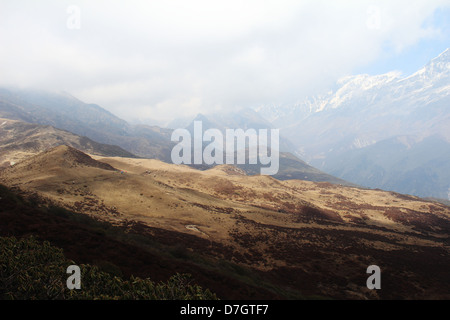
<point>33,270</point>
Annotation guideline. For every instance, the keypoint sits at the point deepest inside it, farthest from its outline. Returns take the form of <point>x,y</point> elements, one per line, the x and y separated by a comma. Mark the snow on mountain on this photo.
<point>429,84</point>
<point>346,131</point>
<point>437,69</point>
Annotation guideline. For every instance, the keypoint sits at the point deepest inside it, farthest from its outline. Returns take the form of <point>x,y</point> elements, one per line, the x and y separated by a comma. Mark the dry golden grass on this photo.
<point>268,224</point>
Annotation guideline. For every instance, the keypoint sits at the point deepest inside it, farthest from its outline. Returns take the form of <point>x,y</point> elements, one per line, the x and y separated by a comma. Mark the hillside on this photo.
<point>303,238</point>
<point>97,247</point>
<point>406,164</point>
<point>60,158</point>
<point>19,140</point>
<point>65,112</point>
<point>290,166</point>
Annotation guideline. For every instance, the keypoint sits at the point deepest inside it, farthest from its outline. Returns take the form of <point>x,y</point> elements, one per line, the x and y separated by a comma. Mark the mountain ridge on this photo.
<point>65,112</point>
<point>19,140</point>
<point>140,140</point>
<point>61,157</point>
<point>363,111</point>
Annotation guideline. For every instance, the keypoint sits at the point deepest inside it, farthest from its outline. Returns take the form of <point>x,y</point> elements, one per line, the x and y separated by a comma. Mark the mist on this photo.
<point>160,59</point>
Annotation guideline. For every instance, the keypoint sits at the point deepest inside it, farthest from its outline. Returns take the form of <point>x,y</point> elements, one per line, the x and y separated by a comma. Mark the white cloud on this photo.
<point>166,58</point>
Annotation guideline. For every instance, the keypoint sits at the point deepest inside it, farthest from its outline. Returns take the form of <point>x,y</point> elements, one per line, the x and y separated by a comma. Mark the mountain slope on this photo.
<point>85,240</point>
<point>290,166</point>
<point>61,158</point>
<point>401,163</point>
<point>330,130</point>
<point>19,140</point>
<point>243,119</point>
<point>60,110</point>
<point>300,238</point>
<point>65,112</point>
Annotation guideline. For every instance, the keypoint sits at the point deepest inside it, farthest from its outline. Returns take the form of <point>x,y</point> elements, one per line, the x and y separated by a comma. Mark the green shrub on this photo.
<point>31,270</point>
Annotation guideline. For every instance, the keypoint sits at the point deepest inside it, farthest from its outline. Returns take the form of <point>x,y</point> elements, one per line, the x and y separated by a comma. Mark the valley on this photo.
<point>218,150</point>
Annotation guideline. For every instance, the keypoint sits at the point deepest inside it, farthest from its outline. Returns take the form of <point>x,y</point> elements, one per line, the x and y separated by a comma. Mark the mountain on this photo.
<point>290,166</point>
<point>19,140</point>
<point>65,112</point>
<point>403,163</point>
<point>62,158</point>
<point>349,130</point>
<point>243,236</point>
<point>244,119</point>
<point>62,111</point>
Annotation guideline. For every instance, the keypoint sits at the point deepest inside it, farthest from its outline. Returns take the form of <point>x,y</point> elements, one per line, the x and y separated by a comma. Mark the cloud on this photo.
<point>163,58</point>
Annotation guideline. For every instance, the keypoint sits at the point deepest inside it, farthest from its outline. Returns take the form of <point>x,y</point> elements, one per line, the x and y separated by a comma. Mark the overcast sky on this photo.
<point>164,59</point>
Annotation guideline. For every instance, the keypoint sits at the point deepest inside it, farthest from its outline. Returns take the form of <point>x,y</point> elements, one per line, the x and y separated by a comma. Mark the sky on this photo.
<point>174,58</point>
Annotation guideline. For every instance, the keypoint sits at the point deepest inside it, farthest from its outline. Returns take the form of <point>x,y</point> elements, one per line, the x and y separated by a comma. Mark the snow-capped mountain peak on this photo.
<point>361,91</point>
<point>437,68</point>
<point>382,131</point>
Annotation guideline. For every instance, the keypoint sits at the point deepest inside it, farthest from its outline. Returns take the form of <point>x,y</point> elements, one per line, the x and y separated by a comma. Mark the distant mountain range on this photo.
<point>105,192</point>
<point>65,112</point>
<point>381,131</point>
<point>290,166</point>
<point>92,129</point>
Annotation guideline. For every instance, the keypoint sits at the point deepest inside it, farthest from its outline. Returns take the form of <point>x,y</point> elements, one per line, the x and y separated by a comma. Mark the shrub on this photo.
<point>31,270</point>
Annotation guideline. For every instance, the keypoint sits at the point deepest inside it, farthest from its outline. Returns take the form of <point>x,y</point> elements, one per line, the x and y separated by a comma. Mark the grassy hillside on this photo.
<point>107,252</point>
